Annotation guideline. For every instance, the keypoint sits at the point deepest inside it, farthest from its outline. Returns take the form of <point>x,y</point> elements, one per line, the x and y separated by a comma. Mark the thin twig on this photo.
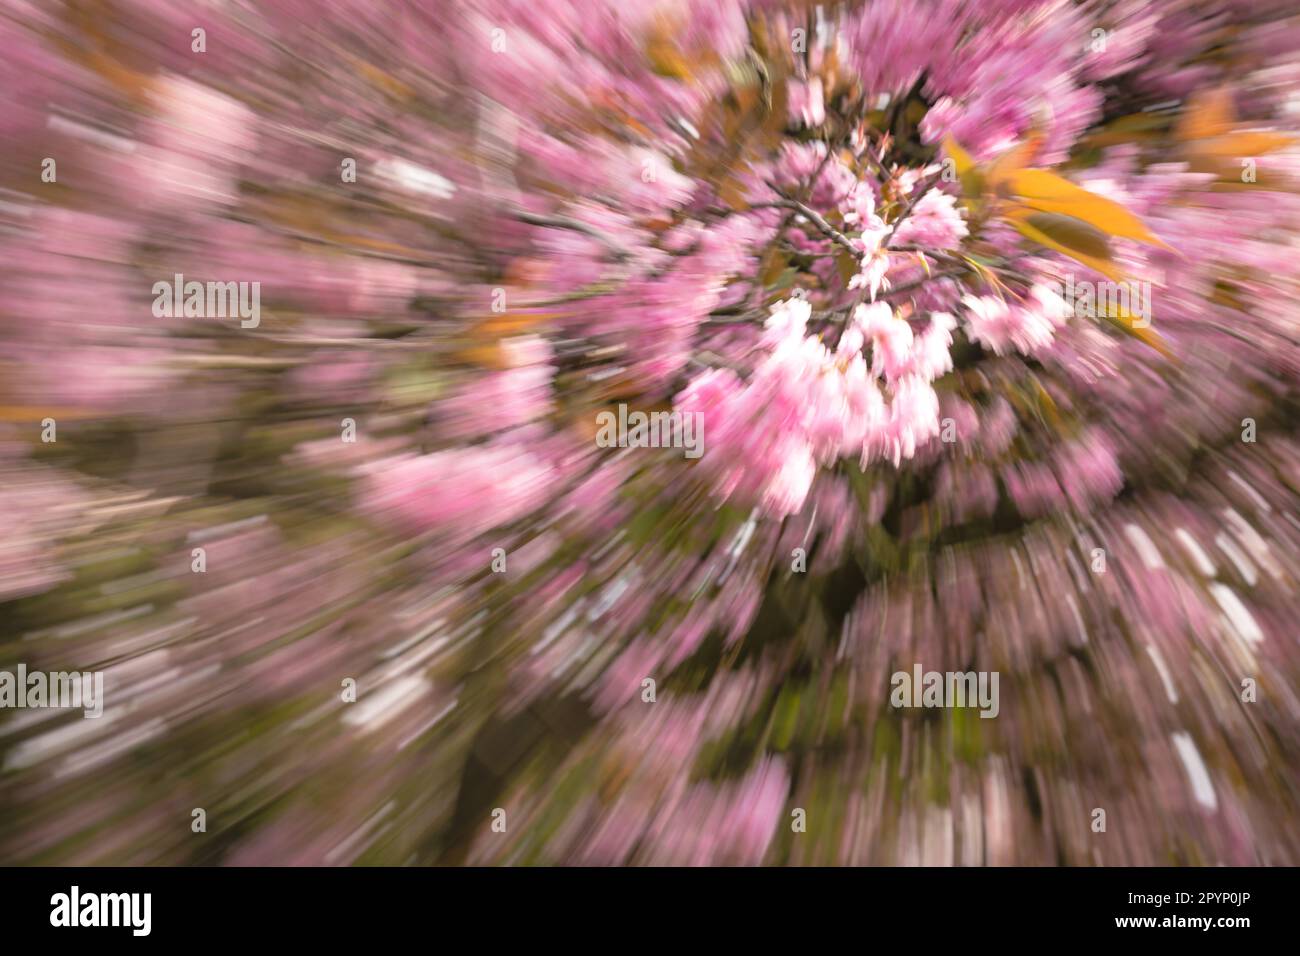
<point>816,219</point>
<point>711,360</point>
<point>573,225</point>
<point>933,254</point>
<point>912,200</point>
<point>917,283</point>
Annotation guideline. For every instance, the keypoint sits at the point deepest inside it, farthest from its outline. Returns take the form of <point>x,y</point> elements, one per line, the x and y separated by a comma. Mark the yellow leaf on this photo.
<point>1241,145</point>
<point>1067,236</point>
<point>1013,161</point>
<point>662,51</point>
<point>1213,143</point>
<point>32,414</point>
<point>1135,128</point>
<point>1208,114</point>
<point>961,160</point>
<point>1148,336</point>
<point>1047,192</point>
<point>490,356</point>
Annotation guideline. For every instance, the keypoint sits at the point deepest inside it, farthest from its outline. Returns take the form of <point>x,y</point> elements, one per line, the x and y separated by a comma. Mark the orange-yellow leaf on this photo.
<point>1070,237</point>
<point>32,414</point>
<point>1206,115</point>
<point>1010,163</point>
<point>1145,334</point>
<point>1241,145</point>
<point>961,159</point>
<point>664,56</point>
<point>969,174</point>
<point>1047,192</point>
<point>1137,127</point>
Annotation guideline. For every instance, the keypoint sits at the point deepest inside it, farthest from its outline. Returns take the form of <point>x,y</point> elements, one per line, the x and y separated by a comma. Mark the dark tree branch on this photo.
<point>573,225</point>
<point>815,218</point>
